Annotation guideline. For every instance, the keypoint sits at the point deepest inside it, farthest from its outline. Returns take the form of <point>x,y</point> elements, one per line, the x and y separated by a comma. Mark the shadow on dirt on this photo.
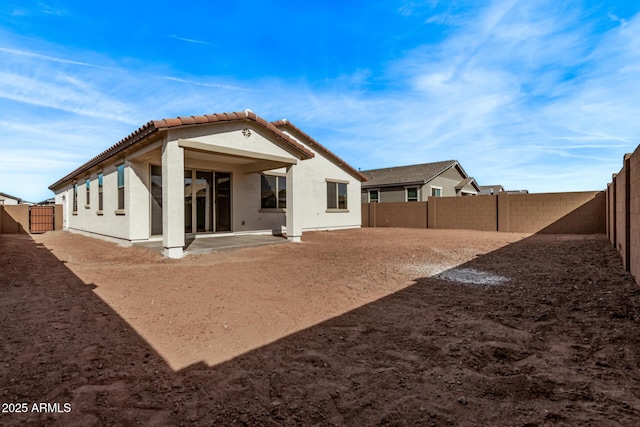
<point>556,343</point>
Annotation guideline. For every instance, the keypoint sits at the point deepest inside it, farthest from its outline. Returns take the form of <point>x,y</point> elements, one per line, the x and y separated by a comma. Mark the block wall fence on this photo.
<point>552,213</point>
<point>623,212</point>
<point>15,218</point>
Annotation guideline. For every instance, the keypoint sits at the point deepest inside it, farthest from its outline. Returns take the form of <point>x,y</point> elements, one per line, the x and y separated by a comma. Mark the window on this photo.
<point>75,197</point>
<point>336,195</point>
<point>87,183</point>
<point>374,196</point>
<point>412,194</point>
<point>156,200</point>
<point>273,193</point>
<point>100,192</point>
<point>120,170</point>
<point>436,191</point>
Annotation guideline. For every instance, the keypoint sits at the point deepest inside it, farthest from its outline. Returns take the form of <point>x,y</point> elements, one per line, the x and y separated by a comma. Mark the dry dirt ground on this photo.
<point>359,328</point>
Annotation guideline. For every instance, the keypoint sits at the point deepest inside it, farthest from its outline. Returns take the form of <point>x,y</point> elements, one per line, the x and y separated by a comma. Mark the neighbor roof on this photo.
<point>152,129</point>
<point>412,174</point>
<point>466,181</point>
<point>319,147</point>
<point>491,189</point>
<point>4,196</point>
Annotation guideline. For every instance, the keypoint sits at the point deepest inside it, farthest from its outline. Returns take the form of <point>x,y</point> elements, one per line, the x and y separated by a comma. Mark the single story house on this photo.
<point>415,183</point>
<point>204,176</point>
<point>6,199</point>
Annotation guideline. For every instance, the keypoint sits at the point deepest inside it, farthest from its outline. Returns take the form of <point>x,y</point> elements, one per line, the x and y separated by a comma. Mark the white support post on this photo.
<point>294,204</point>
<point>172,199</point>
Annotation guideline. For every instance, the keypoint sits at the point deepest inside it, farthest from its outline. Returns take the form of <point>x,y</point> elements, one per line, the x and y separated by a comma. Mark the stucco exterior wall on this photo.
<point>247,216</point>
<point>230,135</point>
<point>87,217</point>
<point>314,173</point>
<point>447,180</point>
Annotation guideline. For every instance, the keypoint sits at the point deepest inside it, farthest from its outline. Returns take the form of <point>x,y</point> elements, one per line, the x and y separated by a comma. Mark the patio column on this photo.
<point>172,199</point>
<point>295,194</point>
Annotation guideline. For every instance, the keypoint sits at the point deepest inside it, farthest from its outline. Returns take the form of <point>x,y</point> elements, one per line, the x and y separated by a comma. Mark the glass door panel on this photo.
<point>156,200</point>
<point>204,201</point>
<point>223,201</point>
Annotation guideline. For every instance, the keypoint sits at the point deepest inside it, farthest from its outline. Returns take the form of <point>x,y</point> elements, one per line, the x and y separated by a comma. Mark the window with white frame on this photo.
<point>100,200</point>
<point>273,194</point>
<point>374,196</point>
<point>75,197</point>
<point>436,191</point>
<point>87,184</point>
<point>411,194</point>
<point>120,172</point>
<point>336,195</point>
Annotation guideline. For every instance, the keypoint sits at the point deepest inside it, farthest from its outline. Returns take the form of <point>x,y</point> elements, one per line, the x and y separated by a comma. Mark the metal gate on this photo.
<point>41,219</point>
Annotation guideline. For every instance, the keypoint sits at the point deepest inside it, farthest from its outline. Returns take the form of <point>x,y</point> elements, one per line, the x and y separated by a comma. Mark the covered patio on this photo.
<point>198,246</point>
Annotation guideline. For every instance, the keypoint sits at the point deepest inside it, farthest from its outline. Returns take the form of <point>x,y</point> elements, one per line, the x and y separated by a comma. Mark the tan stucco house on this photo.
<point>211,175</point>
<point>416,183</point>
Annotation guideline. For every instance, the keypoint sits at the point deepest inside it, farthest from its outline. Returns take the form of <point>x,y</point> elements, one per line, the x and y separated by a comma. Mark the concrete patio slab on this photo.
<point>203,245</point>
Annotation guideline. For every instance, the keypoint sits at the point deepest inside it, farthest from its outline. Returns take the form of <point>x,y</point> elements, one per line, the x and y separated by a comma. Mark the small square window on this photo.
<point>374,196</point>
<point>412,194</point>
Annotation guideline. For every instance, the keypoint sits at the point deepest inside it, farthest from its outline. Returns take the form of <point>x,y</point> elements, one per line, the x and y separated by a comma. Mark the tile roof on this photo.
<point>153,127</point>
<point>319,147</point>
<point>402,175</point>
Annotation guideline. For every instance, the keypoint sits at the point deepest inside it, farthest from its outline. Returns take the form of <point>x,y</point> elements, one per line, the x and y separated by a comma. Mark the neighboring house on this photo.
<point>229,173</point>
<point>47,202</point>
<point>417,182</point>
<point>6,199</point>
<point>490,190</point>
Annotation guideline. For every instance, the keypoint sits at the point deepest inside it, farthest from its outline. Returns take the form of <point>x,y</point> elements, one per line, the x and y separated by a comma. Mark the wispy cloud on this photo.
<point>182,39</point>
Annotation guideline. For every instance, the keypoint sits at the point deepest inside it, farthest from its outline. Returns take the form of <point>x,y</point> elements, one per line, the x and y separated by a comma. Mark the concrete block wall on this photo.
<point>15,219</point>
<point>468,213</point>
<point>554,213</point>
<point>611,212</point>
<point>633,205</point>
<point>395,214</point>
<point>621,207</point>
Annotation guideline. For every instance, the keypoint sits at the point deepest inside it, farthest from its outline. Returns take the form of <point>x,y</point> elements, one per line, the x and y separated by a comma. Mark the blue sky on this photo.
<point>541,95</point>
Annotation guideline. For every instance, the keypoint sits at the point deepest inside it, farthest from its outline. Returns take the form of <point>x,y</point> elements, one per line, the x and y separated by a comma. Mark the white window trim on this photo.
<point>369,195</point>
<point>123,210</point>
<point>406,193</point>
<point>437,188</point>
<point>87,192</point>
<point>274,210</point>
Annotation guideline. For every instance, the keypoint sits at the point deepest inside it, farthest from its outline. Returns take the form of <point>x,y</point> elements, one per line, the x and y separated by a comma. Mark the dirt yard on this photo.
<point>359,328</point>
